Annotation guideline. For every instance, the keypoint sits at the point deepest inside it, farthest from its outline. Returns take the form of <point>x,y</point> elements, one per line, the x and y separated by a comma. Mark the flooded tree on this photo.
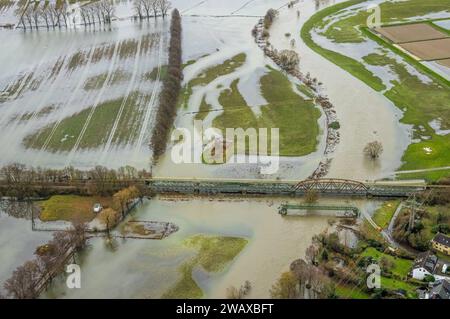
<point>138,9</point>
<point>286,287</point>
<point>109,218</point>
<point>288,60</point>
<point>244,290</point>
<point>312,252</point>
<point>21,285</point>
<point>269,18</point>
<point>311,197</point>
<point>164,7</point>
<point>168,97</point>
<point>373,149</point>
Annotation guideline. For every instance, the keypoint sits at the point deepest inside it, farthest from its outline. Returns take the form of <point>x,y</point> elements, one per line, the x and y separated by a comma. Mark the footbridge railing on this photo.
<point>339,211</point>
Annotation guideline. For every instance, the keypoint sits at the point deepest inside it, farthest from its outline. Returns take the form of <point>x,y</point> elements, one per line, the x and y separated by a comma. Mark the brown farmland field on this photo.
<point>429,50</point>
<point>445,62</point>
<point>411,33</point>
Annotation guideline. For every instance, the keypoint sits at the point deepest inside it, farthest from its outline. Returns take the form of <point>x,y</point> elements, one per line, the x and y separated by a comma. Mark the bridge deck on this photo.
<point>348,211</point>
<point>282,188</point>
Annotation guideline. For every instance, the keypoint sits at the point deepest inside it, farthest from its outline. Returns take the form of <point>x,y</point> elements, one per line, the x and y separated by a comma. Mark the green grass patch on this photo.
<point>203,111</point>
<point>97,81</point>
<point>421,102</point>
<point>98,129</point>
<point>71,207</point>
<point>395,284</point>
<point>227,67</point>
<point>382,217</point>
<point>295,117</point>
<point>347,292</point>
<point>214,253</point>
<point>153,74</point>
<point>350,65</point>
<point>440,79</point>
<point>401,267</point>
<point>305,90</point>
<point>346,30</point>
<point>430,177</point>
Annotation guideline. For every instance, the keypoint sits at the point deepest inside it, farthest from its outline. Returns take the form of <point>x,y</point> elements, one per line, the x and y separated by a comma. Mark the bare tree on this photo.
<point>373,149</point>
<point>22,283</point>
<point>147,7</point>
<point>28,14</point>
<point>62,8</point>
<point>286,287</point>
<point>45,14</point>
<point>311,196</point>
<point>164,7</point>
<point>155,7</point>
<point>137,5</point>
<point>244,290</point>
<point>312,252</point>
<point>107,7</point>
<point>289,60</point>
<point>35,13</point>
<point>270,17</point>
<point>54,14</point>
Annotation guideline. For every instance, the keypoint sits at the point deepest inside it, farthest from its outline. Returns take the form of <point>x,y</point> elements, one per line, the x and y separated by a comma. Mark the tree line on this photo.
<point>102,11</point>
<point>57,14</point>
<point>49,261</point>
<point>122,201</point>
<point>151,8</point>
<point>19,181</point>
<point>168,98</point>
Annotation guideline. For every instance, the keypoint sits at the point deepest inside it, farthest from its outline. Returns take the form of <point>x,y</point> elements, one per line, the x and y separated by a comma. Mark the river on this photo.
<point>146,269</point>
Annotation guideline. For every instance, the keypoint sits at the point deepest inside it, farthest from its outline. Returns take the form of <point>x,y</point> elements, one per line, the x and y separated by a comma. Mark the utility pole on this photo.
<point>412,215</point>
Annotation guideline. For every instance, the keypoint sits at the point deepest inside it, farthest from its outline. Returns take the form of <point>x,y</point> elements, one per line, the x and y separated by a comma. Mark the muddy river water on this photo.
<point>147,268</point>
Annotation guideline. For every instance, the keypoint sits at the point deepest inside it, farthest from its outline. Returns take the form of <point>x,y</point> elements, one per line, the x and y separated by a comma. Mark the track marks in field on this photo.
<point>151,105</point>
<point>69,101</point>
<point>124,102</point>
<point>96,103</point>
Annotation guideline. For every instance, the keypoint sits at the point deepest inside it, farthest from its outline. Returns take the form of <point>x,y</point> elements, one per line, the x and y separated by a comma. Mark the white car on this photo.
<point>97,208</point>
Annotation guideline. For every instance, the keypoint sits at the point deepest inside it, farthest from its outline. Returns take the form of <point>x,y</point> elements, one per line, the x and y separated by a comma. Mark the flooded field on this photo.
<point>149,268</point>
<point>81,96</point>
<point>17,241</point>
<point>86,96</point>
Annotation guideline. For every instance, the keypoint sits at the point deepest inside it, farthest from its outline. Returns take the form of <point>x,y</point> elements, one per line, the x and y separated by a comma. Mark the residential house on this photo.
<point>439,290</point>
<point>427,264</point>
<point>441,243</point>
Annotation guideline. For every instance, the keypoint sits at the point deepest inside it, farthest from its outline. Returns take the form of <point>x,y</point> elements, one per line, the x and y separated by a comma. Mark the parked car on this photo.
<point>97,208</point>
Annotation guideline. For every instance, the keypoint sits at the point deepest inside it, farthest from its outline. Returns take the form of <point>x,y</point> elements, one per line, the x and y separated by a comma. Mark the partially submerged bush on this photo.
<point>373,149</point>
<point>270,17</point>
<point>289,60</point>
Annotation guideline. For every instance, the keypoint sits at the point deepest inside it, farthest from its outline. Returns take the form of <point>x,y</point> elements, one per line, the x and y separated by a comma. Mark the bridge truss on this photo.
<point>332,186</point>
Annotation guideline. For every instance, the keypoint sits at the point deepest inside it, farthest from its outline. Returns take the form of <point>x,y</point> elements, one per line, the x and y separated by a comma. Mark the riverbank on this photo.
<point>419,97</point>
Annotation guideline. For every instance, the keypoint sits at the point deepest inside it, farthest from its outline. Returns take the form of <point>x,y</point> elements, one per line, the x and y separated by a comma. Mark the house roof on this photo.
<point>426,260</point>
<point>440,290</point>
<point>442,239</point>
